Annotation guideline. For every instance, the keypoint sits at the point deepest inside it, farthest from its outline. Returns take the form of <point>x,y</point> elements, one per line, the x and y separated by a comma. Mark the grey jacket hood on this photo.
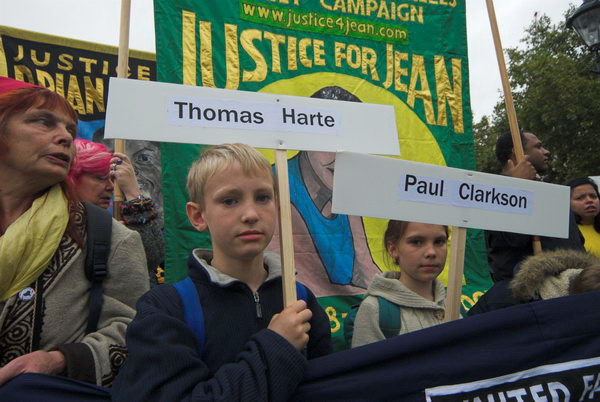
<point>388,286</point>
<point>272,262</point>
<point>549,274</point>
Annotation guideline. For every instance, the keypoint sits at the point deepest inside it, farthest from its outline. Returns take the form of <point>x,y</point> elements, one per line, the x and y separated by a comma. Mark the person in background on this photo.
<point>92,177</point>
<point>44,291</point>
<point>506,250</point>
<point>419,251</point>
<point>586,207</point>
<point>546,275</point>
<point>550,274</point>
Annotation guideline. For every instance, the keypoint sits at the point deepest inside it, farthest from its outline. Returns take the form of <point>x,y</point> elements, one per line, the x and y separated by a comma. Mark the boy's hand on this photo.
<point>292,323</point>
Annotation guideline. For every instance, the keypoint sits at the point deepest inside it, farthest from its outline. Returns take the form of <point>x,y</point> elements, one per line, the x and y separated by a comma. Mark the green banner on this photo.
<point>323,23</point>
<point>411,54</point>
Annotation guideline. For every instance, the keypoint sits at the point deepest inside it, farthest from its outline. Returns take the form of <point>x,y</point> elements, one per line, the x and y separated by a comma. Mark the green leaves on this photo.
<point>556,97</point>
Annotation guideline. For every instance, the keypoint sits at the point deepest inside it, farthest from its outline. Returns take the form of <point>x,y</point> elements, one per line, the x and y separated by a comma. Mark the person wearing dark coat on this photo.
<point>507,250</point>
<point>543,276</point>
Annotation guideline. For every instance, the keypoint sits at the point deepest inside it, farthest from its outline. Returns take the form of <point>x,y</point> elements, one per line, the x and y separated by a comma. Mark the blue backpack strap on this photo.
<point>301,292</point>
<point>192,309</point>
<point>389,318</point>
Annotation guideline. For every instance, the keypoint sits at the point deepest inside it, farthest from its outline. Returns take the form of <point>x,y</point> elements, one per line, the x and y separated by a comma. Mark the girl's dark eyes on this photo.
<point>420,242</point>
<point>229,201</point>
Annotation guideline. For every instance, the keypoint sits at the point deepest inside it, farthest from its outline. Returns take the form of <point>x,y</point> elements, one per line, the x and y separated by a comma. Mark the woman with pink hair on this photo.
<point>92,177</point>
<point>89,176</point>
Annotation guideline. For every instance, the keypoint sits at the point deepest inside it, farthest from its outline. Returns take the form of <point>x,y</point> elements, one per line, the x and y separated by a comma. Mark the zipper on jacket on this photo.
<point>257,301</point>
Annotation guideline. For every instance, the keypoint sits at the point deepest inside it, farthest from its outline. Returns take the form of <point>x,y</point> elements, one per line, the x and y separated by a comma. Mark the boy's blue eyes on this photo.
<point>233,201</point>
<point>263,198</point>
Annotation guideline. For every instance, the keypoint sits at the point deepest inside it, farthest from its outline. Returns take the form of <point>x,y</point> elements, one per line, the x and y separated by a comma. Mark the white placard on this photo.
<point>155,111</point>
<point>396,189</point>
<point>436,190</point>
<point>217,113</point>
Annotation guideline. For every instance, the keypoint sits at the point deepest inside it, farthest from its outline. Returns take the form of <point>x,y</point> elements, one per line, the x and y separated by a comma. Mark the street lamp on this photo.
<point>586,22</point>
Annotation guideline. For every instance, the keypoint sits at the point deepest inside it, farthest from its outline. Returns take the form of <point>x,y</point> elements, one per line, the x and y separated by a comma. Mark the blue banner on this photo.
<point>542,351</point>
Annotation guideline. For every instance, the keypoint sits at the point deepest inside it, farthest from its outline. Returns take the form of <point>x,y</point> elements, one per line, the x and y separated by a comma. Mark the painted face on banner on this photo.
<point>145,157</point>
<point>323,164</point>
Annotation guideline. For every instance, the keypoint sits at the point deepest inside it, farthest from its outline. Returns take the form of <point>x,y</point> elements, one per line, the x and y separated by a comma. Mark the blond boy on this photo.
<point>253,347</point>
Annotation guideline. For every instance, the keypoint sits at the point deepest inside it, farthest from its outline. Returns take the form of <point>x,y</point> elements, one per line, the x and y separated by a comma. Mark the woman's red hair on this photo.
<point>22,99</point>
<point>19,101</point>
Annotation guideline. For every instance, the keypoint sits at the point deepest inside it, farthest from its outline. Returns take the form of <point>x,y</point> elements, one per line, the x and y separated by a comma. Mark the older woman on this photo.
<point>44,291</point>
<point>92,177</point>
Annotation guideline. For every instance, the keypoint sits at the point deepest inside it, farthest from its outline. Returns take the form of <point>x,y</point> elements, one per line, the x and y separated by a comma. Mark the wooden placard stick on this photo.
<point>288,269</point>
<point>122,70</point>
<point>508,100</point>
<point>455,273</point>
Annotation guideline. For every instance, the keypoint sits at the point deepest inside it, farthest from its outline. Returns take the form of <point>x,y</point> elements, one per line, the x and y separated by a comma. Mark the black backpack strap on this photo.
<point>98,231</point>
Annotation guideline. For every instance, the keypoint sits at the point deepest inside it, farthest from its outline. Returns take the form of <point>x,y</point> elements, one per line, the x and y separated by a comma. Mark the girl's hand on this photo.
<point>122,173</point>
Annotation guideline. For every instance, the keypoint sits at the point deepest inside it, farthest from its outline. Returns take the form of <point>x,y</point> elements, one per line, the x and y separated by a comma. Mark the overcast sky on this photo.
<point>98,21</point>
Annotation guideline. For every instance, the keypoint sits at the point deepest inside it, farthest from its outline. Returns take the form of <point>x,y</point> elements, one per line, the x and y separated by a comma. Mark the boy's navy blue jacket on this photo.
<point>242,359</point>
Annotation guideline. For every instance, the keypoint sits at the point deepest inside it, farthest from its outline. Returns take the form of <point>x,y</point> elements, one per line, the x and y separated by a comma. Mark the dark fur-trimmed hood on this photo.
<point>549,274</point>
